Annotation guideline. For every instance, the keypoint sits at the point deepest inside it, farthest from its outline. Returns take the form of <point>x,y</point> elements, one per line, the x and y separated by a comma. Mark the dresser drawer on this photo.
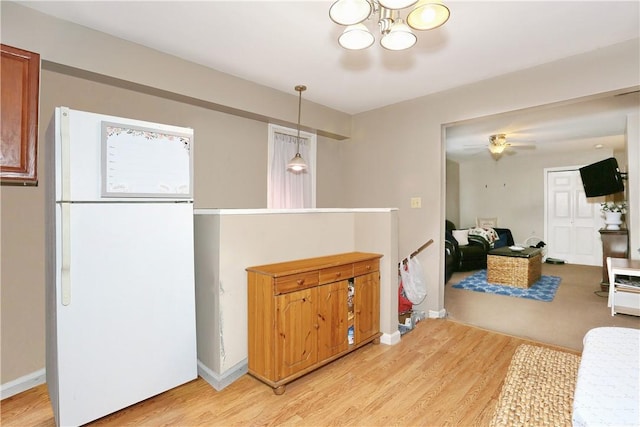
<point>364,267</point>
<point>295,282</point>
<point>334,274</point>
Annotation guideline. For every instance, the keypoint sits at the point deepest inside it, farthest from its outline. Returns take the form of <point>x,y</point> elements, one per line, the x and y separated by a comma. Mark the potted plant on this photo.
<point>613,214</point>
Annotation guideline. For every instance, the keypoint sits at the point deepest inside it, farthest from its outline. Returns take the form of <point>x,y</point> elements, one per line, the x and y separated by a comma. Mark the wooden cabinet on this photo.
<point>615,244</point>
<point>20,82</point>
<point>305,313</point>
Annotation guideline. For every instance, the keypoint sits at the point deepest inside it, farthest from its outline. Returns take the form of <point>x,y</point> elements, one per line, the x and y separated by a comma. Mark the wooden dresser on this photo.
<point>305,313</point>
<point>615,244</point>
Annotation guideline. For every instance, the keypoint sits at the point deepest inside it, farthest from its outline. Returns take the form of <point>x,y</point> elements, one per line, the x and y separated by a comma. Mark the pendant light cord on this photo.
<point>300,89</point>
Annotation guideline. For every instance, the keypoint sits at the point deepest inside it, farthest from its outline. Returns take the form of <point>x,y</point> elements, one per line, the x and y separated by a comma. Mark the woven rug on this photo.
<point>538,389</point>
<point>542,290</point>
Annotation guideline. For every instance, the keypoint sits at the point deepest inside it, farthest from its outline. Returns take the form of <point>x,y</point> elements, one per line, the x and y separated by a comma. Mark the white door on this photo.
<point>127,331</point>
<point>572,221</point>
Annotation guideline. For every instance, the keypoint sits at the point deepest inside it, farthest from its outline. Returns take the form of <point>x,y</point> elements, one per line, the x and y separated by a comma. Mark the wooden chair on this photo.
<point>617,287</point>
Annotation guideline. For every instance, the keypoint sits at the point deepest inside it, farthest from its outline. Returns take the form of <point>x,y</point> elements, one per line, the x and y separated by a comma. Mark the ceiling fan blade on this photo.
<point>522,146</point>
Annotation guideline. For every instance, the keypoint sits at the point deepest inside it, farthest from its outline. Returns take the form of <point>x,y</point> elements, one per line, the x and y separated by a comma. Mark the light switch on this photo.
<point>416,202</point>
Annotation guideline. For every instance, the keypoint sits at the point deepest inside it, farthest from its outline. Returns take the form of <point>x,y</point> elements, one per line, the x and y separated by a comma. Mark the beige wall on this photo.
<point>512,189</point>
<point>220,182</point>
<point>72,45</point>
<point>394,153</point>
<point>633,184</point>
<point>397,152</point>
<point>228,241</point>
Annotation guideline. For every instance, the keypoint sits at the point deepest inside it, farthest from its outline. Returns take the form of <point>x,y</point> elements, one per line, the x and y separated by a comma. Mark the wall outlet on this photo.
<point>416,202</point>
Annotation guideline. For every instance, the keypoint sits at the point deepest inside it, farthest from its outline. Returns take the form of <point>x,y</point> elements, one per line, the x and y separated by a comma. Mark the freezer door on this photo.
<point>107,158</point>
<point>126,328</point>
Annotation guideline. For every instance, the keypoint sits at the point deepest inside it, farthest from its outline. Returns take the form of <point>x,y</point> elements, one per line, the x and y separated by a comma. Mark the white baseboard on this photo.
<point>390,339</point>
<point>218,381</point>
<point>440,314</point>
<point>23,383</point>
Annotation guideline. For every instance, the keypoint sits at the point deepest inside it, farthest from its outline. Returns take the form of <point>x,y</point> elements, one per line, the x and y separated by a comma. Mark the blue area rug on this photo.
<point>542,290</point>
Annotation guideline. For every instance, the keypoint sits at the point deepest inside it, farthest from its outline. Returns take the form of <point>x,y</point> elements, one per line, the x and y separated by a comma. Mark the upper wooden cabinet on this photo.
<point>20,82</point>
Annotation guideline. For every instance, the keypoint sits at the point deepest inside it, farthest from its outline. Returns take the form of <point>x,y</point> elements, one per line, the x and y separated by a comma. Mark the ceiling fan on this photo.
<point>498,145</point>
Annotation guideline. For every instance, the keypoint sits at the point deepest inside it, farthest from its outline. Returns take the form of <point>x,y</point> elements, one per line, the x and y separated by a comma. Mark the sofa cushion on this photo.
<point>462,236</point>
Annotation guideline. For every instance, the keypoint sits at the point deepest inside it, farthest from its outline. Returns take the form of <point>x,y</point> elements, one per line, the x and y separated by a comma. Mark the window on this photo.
<point>285,189</point>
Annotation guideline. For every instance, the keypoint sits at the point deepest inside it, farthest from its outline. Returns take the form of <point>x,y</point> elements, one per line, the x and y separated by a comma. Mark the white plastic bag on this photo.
<point>413,281</point>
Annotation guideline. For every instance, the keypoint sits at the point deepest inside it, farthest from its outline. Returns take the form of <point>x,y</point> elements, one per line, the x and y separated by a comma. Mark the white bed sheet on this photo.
<point>608,387</point>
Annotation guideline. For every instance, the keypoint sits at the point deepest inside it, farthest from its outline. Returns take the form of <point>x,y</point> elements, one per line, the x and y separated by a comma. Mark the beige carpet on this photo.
<point>577,307</point>
<point>538,389</point>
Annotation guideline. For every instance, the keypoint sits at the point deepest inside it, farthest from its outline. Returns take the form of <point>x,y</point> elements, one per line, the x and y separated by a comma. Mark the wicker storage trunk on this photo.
<point>514,269</point>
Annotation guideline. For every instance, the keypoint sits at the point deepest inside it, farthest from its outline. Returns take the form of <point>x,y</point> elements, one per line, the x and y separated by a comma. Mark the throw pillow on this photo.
<point>487,222</point>
<point>462,236</point>
<point>488,234</point>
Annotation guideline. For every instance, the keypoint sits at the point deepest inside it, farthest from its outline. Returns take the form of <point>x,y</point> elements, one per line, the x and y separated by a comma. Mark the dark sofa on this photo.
<point>472,256</point>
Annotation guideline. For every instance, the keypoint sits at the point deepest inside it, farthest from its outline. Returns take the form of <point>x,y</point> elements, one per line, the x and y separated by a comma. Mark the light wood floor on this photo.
<point>441,373</point>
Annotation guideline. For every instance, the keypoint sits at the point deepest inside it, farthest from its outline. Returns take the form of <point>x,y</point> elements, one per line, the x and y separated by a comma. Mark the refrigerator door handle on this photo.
<point>65,154</point>
<point>66,255</point>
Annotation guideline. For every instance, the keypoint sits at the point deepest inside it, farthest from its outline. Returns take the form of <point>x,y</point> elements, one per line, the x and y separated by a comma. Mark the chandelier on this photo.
<point>395,33</point>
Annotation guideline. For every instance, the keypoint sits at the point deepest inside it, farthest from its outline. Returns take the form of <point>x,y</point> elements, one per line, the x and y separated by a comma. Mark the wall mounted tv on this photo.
<point>602,178</point>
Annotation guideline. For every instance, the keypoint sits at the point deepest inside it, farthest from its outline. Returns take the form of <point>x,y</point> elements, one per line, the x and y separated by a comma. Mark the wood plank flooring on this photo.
<point>441,374</point>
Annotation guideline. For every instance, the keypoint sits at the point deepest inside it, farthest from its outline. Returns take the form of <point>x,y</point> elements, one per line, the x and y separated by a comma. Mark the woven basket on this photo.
<point>514,271</point>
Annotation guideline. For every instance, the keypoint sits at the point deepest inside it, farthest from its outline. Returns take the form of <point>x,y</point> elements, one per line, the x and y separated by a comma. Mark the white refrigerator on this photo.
<point>120,297</point>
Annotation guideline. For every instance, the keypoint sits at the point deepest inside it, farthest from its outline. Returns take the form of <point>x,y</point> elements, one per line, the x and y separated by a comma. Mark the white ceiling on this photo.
<point>280,44</point>
<point>552,129</point>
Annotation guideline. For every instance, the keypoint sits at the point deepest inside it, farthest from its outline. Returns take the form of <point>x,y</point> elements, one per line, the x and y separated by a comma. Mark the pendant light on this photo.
<point>297,164</point>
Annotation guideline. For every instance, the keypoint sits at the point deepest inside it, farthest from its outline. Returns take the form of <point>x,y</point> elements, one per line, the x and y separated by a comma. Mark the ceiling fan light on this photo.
<point>349,12</point>
<point>397,4</point>
<point>356,37</point>
<point>498,139</point>
<point>496,149</point>
<point>428,15</point>
<point>297,164</point>
<point>400,37</point>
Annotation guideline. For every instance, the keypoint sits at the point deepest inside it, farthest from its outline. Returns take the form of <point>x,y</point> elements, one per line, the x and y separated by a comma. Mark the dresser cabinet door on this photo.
<point>367,306</point>
<point>296,331</point>
<point>332,319</point>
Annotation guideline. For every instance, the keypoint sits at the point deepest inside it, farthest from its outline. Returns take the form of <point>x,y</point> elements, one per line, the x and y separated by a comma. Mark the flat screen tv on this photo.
<point>602,178</point>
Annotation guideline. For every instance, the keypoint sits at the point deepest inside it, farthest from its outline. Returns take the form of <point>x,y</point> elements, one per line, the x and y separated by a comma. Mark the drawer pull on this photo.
<point>300,282</point>
<point>338,274</point>
<point>368,267</point>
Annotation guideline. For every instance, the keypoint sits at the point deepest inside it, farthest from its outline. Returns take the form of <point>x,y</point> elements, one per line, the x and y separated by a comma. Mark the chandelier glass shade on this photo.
<point>297,163</point>
<point>399,37</point>
<point>356,37</point>
<point>350,12</point>
<point>397,4</point>
<point>395,33</point>
<point>428,15</point>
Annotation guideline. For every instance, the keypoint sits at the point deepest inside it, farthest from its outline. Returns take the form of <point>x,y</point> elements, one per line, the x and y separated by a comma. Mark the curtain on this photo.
<point>289,190</point>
